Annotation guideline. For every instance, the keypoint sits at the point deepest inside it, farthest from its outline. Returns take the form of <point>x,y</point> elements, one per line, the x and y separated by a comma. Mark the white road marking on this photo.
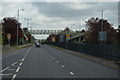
<point>71,73</point>
<point>11,69</point>
<point>57,61</point>
<point>53,58</point>
<point>5,69</point>
<point>6,74</point>
<point>63,66</point>
<point>28,50</point>
<point>14,64</point>
<point>13,77</point>
<point>18,69</point>
<point>26,54</point>
<point>23,59</point>
<point>20,63</point>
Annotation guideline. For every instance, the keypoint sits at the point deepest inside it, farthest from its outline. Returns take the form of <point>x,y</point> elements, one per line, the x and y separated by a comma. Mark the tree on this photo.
<point>118,35</point>
<point>93,28</point>
<point>10,26</point>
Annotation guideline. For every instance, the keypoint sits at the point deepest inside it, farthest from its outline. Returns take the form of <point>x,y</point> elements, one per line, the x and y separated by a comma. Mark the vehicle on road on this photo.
<point>38,45</point>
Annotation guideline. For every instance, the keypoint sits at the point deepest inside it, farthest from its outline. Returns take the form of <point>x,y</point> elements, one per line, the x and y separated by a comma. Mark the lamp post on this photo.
<point>102,33</point>
<point>18,26</point>
<point>102,19</point>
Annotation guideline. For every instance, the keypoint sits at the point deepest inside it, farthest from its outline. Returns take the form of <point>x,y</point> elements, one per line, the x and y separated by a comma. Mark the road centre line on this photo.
<point>18,69</point>
<point>20,63</point>
<point>14,76</point>
<point>26,54</point>
<point>14,64</point>
<point>5,69</point>
<point>71,73</point>
<point>57,61</point>
<point>62,66</point>
<point>28,50</point>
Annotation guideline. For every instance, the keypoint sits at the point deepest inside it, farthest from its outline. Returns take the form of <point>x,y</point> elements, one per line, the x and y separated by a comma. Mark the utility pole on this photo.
<point>18,27</point>
<point>102,33</point>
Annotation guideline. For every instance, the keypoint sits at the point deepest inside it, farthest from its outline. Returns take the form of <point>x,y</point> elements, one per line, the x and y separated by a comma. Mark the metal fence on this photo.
<point>104,51</point>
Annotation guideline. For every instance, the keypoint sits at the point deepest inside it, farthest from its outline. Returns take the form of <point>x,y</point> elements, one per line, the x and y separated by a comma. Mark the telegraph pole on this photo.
<point>18,27</point>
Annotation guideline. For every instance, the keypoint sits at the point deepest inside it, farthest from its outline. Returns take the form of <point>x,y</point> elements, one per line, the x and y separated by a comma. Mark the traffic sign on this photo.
<point>67,36</point>
<point>8,36</point>
<point>102,35</point>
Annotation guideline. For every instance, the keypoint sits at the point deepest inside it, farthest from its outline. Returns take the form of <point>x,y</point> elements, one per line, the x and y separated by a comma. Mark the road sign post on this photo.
<point>102,36</point>
<point>9,37</point>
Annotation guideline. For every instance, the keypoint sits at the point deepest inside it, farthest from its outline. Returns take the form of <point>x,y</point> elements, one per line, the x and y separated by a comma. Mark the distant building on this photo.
<point>67,35</point>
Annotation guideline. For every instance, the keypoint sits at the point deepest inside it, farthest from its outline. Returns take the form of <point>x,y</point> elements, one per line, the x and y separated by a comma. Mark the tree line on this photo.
<point>9,25</point>
<point>94,25</point>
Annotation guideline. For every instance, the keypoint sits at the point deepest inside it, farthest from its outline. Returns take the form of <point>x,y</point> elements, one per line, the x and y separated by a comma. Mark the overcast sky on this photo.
<point>58,15</point>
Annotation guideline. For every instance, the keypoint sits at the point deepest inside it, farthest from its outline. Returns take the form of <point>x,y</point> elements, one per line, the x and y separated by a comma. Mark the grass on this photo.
<point>12,49</point>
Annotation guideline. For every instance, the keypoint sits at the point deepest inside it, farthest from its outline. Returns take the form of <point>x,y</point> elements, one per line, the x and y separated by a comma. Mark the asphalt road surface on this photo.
<point>48,62</point>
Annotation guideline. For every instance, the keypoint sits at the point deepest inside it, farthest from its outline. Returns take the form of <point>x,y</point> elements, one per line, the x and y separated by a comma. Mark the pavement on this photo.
<point>49,62</point>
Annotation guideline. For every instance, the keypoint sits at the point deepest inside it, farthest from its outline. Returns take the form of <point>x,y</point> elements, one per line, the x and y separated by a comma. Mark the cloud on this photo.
<point>60,0</point>
<point>58,15</point>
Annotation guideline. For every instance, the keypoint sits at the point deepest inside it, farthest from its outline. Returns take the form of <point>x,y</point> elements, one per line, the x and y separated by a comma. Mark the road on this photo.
<point>48,62</point>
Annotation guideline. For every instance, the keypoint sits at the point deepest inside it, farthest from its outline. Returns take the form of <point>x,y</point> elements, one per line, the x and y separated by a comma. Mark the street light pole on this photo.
<point>18,26</point>
<point>101,25</point>
<point>102,19</point>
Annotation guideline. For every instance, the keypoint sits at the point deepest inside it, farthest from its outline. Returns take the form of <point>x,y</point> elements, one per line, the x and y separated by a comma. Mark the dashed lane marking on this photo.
<point>23,59</point>
<point>26,54</point>
<point>18,69</point>
<point>20,63</point>
<point>63,66</point>
<point>5,69</point>
<point>57,61</point>
<point>71,73</point>
<point>53,58</point>
<point>14,64</point>
<point>14,76</point>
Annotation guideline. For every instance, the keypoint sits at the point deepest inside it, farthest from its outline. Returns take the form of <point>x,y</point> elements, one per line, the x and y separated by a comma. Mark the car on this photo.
<point>38,45</point>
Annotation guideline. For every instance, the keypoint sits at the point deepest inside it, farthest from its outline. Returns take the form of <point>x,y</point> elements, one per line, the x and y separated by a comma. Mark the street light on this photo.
<point>18,25</point>
<point>102,19</point>
<point>102,34</point>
